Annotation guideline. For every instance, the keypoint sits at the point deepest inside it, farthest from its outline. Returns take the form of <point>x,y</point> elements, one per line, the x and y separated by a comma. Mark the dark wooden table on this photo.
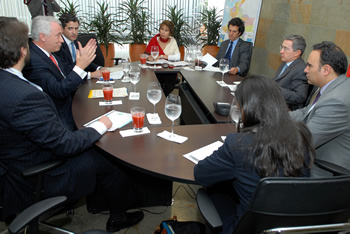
<point>148,153</point>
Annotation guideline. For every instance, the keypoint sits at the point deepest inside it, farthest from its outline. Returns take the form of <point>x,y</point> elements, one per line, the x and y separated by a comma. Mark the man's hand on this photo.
<point>106,121</point>
<point>233,70</point>
<point>98,73</point>
<point>85,55</point>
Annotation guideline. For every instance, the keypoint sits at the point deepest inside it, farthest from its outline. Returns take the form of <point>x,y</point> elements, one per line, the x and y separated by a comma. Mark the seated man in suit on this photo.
<point>67,52</point>
<point>328,117</point>
<point>235,49</point>
<point>32,131</point>
<point>290,76</point>
<point>47,70</point>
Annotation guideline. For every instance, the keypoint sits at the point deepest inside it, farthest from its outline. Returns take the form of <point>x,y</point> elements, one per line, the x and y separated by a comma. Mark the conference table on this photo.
<point>148,153</point>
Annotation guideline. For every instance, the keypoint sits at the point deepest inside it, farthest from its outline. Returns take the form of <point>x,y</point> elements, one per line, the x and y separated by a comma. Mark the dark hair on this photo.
<point>169,24</point>
<point>237,22</point>
<point>13,37</point>
<point>298,42</point>
<point>332,55</point>
<point>279,143</point>
<point>68,17</point>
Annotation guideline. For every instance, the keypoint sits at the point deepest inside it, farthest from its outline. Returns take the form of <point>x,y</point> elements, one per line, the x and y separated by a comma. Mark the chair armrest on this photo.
<point>32,212</point>
<point>331,167</point>
<point>208,210</point>
<point>43,167</point>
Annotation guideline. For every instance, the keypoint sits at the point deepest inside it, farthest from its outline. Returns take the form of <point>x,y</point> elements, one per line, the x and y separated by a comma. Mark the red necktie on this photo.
<point>45,8</point>
<point>54,61</point>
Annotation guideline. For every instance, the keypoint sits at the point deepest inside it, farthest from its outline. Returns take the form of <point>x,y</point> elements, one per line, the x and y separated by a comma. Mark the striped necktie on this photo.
<point>73,51</point>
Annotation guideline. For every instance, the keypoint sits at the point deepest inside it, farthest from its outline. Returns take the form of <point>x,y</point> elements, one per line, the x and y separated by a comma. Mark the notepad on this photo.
<point>118,92</point>
<point>118,119</point>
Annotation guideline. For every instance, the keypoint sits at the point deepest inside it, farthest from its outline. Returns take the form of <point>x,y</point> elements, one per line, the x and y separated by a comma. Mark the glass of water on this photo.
<point>154,94</point>
<point>172,110</point>
<point>224,67</point>
<point>126,68</point>
<point>134,75</point>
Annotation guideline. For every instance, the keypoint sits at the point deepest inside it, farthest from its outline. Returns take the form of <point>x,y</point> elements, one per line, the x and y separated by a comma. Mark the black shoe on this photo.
<point>131,219</point>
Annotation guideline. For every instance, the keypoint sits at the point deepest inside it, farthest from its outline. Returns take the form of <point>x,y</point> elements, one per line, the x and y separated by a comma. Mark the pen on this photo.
<point>101,79</point>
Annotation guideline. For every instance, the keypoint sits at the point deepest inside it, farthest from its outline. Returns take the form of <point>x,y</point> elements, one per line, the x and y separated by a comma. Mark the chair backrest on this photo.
<point>290,202</point>
<point>83,39</point>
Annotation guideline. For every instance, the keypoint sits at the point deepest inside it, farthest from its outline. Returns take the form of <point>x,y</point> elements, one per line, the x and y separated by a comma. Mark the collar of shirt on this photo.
<point>20,75</point>
<point>68,43</point>
<point>325,86</point>
<point>47,53</point>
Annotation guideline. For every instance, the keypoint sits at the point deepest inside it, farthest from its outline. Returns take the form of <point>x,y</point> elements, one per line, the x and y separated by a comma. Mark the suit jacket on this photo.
<point>65,56</point>
<point>240,56</point>
<point>329,122</point>
<point>228,163</point>
<point>35,7</point>
<point>43,72</point>
<point>293,83</point>
<point>31,131</point>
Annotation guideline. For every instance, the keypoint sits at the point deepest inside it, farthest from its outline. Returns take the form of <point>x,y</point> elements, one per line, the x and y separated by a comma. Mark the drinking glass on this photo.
<point>172,110</point>
<point>126,68</point>
<point>189,56</point>
<point>108,92</point>
<point>154,94</point>
<point>138,118</point>
<point>134,75</point>
<point>106,75</point>
<point>224,67</point>
<point>199,55</point>
<point>154,53</point>
<point>143,58</point>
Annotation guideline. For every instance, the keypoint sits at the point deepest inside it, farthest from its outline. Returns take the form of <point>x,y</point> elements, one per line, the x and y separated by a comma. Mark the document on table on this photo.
<point>202,153</point>
<point>208,59</point>
<point>118,119</point>
<point>98,93</point>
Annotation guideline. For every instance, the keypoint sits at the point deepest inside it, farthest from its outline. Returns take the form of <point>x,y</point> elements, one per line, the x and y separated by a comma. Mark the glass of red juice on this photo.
<point>108,93</point>
<point>106,74</point>
<point>143,58</point>
<point>138,117</point>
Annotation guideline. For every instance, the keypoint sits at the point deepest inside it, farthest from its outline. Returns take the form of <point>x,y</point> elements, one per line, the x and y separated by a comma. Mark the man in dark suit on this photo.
<point>48,71</point>
<point>290,76</point>
<point>42,7</point>
<point>235,49</point>
<point>31,131</point>
<point>67,53</point>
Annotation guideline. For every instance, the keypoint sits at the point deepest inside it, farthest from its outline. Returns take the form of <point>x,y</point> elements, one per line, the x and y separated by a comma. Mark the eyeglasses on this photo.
<point>284,48</point>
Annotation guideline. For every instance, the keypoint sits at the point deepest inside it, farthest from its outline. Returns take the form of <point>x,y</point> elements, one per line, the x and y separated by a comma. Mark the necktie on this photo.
<point>54,61</point>
<point>73,51</point>
<point>229,51</point>
<point>317,96</point>
<point>46,11</point>
<point>283,69</point>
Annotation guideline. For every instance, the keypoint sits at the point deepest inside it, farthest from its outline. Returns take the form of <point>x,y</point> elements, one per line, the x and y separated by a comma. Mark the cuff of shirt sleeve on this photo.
<point>80,72</point>
<point>239,70</point>
<point>99,127</point>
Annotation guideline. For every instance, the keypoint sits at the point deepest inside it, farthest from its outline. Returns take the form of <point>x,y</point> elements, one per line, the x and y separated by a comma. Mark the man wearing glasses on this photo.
<point>290,76</point>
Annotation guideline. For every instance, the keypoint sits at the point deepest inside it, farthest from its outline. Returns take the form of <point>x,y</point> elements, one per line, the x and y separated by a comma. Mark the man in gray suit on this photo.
<point>328,117</point>
<point>235,49</point>
<point>290,76</point>
<point>42,7</point>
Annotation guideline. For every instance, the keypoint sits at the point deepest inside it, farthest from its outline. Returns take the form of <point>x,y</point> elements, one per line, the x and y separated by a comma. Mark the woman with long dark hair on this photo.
<point>267,144</point>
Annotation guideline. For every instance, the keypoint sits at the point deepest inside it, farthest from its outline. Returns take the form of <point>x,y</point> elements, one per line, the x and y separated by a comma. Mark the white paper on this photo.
<point>131,132</point>
<point>118,119</point>
<point>208,59</point>
<point>221,83</point>
<point>176,138</point>
<point>159,61</point>
<point>114,103</point>
<point>153,118</point>
<point>117,75</point>
<point>232,87</point>
<point>202,153</point>
<point>103,82</point>
<point>134,96</point>
<point>179,63</point>
<point>212,69</point>
<point>236,82</point>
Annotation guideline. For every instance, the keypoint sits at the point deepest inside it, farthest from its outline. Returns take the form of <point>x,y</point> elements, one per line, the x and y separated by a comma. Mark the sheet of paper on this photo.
<point>179,63</point>
<point>114,103</point>
<point>153,118</point>
<point>118,119</point>
<point>208,59</point>
<point>159,61</point>
<point>118,92</point>
<point>211,68</point>
<point>202,153</point>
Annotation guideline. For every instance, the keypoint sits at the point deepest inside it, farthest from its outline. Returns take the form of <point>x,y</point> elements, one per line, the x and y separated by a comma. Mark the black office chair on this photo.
<point>296,205</point>
<point>38,171</point>
<point>84,38</point>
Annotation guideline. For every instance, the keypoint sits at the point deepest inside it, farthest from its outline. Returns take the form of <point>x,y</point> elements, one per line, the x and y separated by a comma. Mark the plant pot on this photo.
<point>109,61</point>
<point>135,50</point>
<point>211,49</point>
<point>182,52</point>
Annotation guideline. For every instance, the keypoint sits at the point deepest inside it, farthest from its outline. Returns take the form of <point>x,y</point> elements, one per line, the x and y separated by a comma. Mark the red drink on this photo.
<point>138,119</point>
<point>143,60</point>
<point>106,75</point>
<point>108,93</point>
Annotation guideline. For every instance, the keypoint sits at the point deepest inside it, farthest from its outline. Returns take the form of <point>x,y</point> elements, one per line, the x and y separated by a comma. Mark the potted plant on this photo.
<point>69,7</point>
<point>182,29</point>
<point>103,24</point>
<point>210,19</point>
<point>136,26</point>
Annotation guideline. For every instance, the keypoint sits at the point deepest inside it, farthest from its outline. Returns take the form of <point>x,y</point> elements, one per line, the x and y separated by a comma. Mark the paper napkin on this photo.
<point>176,138</point>
<point>153,118</point>
<point>114,103</point>
<point>130,132</point>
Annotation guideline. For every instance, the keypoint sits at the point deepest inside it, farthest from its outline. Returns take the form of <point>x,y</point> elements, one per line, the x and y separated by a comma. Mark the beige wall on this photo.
<point>315,20</point>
